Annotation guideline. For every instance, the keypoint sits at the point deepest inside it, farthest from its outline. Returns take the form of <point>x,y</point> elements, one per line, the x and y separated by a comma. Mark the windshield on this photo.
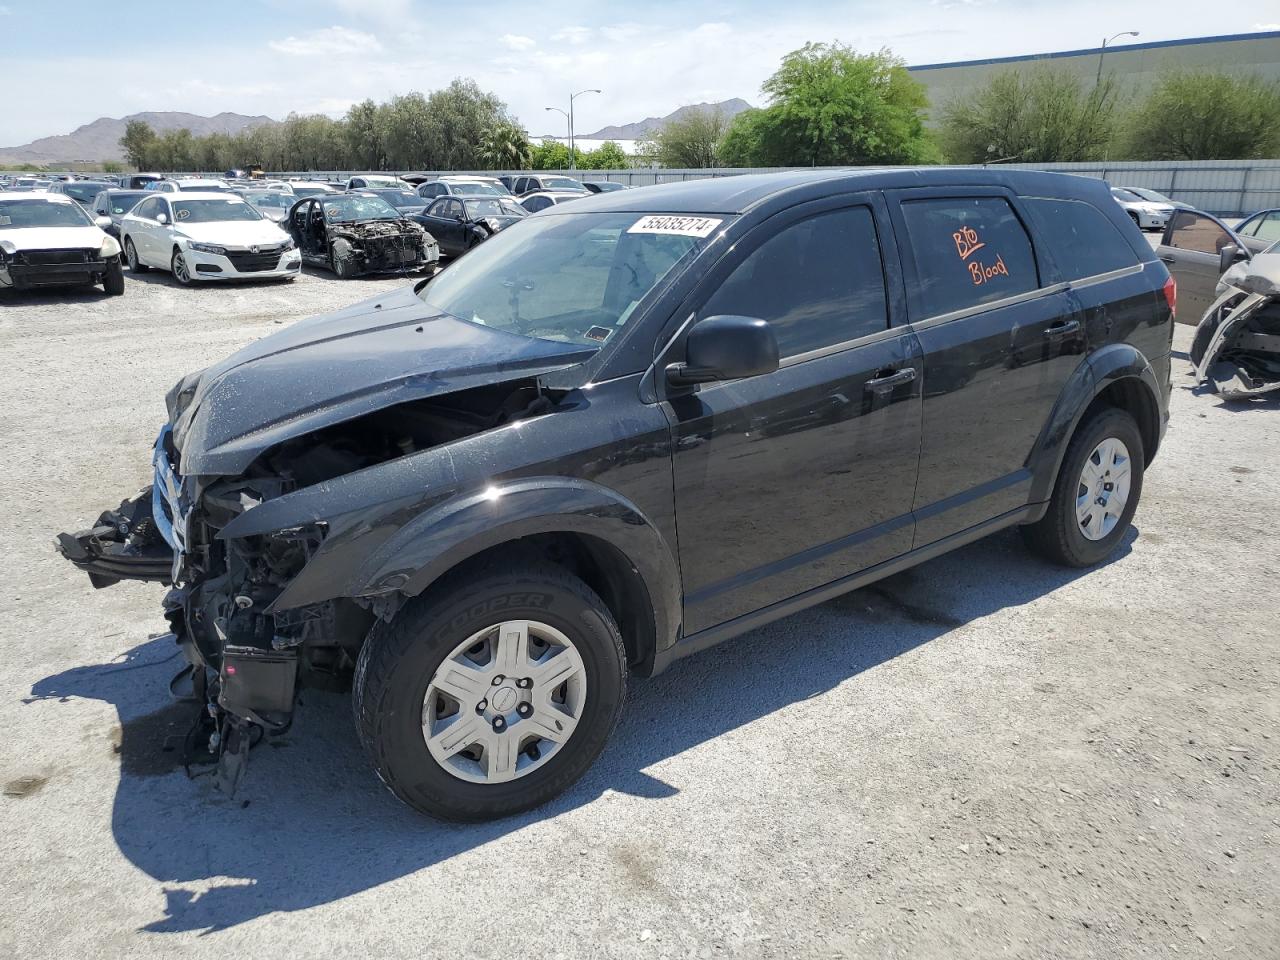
<point>562,183</point>
<point>85,191</point>
<point>15,214</point>
<point>346,209</point>
<point>269,198</point>
<point>494,208</point>
<point>1150,195</point>
<point>401,198</point>
<point>213,211</point>
<point>573,279</point>
<point>124,202</point>
<point>475,188</point>
<point>1127,195</point>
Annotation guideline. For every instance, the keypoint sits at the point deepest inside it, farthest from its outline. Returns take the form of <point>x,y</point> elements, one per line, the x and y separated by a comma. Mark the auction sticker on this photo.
<point>675,225</point>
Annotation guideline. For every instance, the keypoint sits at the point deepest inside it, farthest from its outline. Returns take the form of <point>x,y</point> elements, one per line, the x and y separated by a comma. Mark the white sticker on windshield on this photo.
<point>5,221</point>
<point>674,225</point>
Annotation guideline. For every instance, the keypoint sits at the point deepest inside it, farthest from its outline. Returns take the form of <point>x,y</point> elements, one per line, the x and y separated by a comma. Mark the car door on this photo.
<point>789,481</point>
<point>144,229</point>
<point>1191,248</point>
<point>999,347</point>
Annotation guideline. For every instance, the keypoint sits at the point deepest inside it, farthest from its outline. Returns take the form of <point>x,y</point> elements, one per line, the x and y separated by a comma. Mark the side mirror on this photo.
<point>1230,255</point>
<point>101,222</point>
<point>162,218</point>
<point>725,348</point>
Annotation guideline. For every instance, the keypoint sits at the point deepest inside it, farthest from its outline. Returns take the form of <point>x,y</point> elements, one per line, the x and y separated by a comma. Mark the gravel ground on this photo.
<point>983,757</point>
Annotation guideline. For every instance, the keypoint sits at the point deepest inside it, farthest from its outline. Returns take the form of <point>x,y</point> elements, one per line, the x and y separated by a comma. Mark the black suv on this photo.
<point>626,429</point>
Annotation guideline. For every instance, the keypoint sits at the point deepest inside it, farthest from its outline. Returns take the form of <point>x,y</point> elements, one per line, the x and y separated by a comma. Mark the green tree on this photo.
<point>112,166</point>
<point>692,140</point>
<point>505,146</point>
<point>829,106</point>
<point>1206,115</point>
<point>457,118</point>
<point>364,145</point>
<point>138,139</point>
<point>608,156</point>
<point>1042,116</point>
<point>549,155</point>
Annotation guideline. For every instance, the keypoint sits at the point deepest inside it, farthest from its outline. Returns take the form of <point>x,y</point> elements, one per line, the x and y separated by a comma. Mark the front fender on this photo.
<point>1104,367</point>
<point>452,532</point>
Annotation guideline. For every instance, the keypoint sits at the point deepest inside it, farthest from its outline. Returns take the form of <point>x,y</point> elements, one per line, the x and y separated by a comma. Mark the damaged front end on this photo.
<point>1236,349</point>
<point>261,426</point>
<point>388,246</point>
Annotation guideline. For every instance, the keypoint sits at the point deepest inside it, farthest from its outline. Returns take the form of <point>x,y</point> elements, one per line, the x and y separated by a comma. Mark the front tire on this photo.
<point>113,279</point>
<point>491,693</point>
<point>181,270</point>
<point>131,255</point>
<point>344,260</point>
<point>1096,493</point>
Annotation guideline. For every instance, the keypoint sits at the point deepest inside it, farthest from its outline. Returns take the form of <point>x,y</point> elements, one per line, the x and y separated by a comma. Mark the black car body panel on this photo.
<point>325,475</point>
<point>452,221</point>
<point>397,245</point>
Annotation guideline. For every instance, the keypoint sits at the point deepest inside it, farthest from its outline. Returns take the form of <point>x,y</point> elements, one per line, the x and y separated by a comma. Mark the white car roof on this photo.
<point>202,195</point>
<point>35,195</point>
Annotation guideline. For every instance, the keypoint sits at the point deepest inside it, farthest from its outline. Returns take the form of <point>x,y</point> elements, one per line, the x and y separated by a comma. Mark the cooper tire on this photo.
<point>1058,535</point>
<point>401,660</point>
<point>113,279</point>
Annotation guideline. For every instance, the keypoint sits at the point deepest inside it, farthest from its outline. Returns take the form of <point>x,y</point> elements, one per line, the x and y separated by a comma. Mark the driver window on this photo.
<point>1195,231</point>
<point>1268,226</point>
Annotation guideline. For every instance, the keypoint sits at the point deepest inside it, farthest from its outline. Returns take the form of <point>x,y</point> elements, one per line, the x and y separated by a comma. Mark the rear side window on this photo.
<point>818,282</point>
<point>1194,231</point>
<point>1084,242</point>
<point>968,251</point>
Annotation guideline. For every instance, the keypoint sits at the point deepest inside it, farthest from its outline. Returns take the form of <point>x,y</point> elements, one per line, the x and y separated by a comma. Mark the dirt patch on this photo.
<point>24,786</point>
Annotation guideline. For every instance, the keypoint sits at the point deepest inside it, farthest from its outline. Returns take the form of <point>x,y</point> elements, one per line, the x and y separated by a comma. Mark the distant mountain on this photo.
<point>100,140</point>
<point>634,131</point>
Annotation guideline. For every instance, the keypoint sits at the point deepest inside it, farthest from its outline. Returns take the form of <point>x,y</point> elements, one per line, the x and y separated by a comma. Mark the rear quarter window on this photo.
<point>1083,241</point>
<point>968,251</point>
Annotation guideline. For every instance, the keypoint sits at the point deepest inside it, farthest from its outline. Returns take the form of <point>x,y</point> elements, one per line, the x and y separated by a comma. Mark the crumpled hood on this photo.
<point>332,368</point>
<point>54,238</point>
<point>234,233</point>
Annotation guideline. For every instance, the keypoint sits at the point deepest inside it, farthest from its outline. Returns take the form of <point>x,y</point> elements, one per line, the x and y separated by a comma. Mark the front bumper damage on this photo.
<point>243,663</point>
<point>1236,349</point>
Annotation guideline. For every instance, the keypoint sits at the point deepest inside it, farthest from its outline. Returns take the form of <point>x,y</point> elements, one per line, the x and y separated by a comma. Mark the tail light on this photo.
<point>1171,296</point>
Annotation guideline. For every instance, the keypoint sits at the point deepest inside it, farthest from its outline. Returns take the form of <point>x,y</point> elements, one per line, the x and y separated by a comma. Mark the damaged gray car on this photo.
<point>353,234</point>
<point>1236,350</point>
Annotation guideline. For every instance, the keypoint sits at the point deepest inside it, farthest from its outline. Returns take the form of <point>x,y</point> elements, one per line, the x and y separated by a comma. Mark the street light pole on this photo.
<point>569,121</point>
<point>572,97</point>
<point>1103,52</point>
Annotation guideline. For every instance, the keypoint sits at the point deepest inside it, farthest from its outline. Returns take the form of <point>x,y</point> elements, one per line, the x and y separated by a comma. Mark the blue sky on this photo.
<point>278,56</point>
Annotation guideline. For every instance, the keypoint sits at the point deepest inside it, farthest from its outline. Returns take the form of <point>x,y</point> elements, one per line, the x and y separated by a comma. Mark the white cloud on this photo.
<point>385,11</point>
<point>328,42</point>
<point>5,11</point>
<point>513,41</point>
<point>574,35</point>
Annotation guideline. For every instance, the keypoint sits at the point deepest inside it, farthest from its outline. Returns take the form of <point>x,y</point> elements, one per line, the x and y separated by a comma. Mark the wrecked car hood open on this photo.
<point>1236,349</point>
<point>329,369</point>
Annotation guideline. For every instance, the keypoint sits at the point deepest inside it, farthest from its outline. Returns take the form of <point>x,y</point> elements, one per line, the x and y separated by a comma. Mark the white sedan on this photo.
<point>46,239</point>
<point>1147,214</point>
<point>206,236</point>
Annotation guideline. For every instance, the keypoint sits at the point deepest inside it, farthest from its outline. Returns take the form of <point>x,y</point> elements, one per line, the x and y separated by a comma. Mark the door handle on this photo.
<point>1063,329</point>
<point>1169,259</point>
<point>891,381</point>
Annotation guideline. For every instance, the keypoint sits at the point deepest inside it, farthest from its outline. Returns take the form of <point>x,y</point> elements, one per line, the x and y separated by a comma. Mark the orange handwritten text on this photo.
<point>982,273</point>
<point>967,242</point>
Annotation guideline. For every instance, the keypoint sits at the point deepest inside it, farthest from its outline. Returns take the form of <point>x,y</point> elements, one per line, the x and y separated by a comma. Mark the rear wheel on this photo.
<point>113,279</point>
<point>491,693</point>
<point>131,256</point>
<point>1096,493</point>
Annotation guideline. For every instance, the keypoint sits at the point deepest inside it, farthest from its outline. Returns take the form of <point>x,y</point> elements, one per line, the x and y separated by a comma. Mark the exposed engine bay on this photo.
<point>246,658</point>
<point>386,245</point>
<point>1236,350</point>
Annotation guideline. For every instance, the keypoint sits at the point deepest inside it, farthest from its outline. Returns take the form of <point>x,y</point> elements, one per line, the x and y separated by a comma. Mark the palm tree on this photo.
<point>505,146</point>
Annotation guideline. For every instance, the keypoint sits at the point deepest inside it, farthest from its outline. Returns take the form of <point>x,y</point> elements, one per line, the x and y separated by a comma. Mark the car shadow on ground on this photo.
<point>313,824</point>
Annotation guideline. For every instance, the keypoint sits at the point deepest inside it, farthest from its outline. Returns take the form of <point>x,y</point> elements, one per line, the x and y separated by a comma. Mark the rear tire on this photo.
<point>1062,535</point>
<point>402,660</point>
<point>113,279</point>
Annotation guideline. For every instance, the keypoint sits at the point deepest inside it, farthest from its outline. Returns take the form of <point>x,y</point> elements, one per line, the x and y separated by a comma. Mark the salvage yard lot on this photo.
<point>984,756</point>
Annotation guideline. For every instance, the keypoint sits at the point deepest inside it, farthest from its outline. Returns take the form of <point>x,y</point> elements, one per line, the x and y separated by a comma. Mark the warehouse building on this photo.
<point>1135,66</point>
